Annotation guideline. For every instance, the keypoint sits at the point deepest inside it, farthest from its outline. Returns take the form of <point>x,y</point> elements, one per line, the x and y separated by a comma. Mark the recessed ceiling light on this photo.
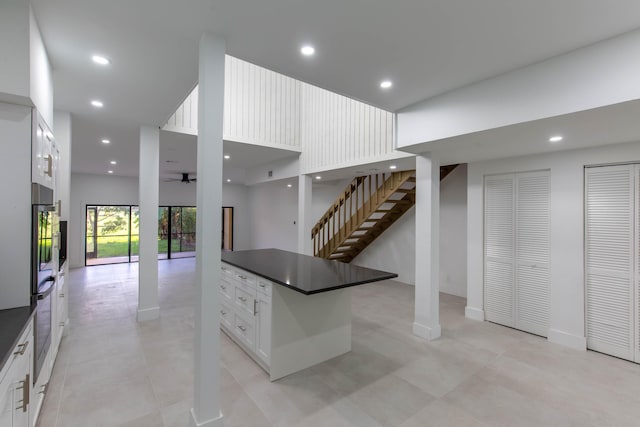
<point>318,177</point>
<point>98,59</point>
<point>110,171</point>
<point>289,185</point>
<point>392,167</point>
<point>556,138</point>
<point>227,157</point>
<point>106,141</point>
<point>307,50</point>
<point>228,180</point>
<point>96,103</point>
<point>113,162</point>
<point>386,84</point>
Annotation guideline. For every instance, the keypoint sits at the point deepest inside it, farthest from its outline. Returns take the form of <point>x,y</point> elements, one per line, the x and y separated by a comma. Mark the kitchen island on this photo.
<point>286,310</point>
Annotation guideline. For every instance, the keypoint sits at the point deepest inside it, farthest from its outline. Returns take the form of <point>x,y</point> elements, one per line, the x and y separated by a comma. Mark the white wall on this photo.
<point>237,196</point>
<point>567,231</point>
<point>273,216</point>
<point>394,250</point>
<point>602,74</point>
<point>15,215</point>
<point>41,79</point>
<point>116,190</point>
<point>338,132</point>
<point>281,169</point>
<point>453,232</point>
<point>260,107</point>
<point>14,49</point>
<point>62,132</point>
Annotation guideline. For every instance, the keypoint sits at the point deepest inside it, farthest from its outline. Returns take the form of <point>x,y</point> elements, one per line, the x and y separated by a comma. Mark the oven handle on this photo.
<point>50,282</point>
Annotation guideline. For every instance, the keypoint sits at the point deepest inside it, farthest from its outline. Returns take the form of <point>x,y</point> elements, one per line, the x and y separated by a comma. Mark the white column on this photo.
<point>206,409</point>
<point>475,244</point>
<point>148,200</point>
<point>427,302</point>
<point>305,244</point>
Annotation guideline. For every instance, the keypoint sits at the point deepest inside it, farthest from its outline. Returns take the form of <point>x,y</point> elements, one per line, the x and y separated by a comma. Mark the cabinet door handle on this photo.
<point>224,288</point>
<point>23,348</point>
<point>25,393</point>
<point>262,285</point>
<point>224,313</point>
<point>61,295</point>
<point>49,160</point>
<point>242,328</point>
<point>255,307</point>
<point>243,277</point>
<point>243,299</point>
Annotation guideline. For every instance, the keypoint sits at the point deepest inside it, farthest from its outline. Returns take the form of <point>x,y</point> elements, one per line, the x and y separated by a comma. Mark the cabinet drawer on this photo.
<point>227,270</point>
<point>245,278</point>
<point>245,330</point>
<point>226,289</point>
<point>244,298</point>
<point>264,287</point>
<point>226,316</point>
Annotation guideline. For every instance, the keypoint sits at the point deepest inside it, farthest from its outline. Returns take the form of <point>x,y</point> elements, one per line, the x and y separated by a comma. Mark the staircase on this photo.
<point>363,211</point>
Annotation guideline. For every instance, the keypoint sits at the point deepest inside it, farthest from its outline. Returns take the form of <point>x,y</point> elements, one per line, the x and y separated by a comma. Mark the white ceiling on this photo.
<point>426,47</point>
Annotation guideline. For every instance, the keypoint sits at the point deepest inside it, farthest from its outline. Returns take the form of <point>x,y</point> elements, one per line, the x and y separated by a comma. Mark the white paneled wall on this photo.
<point>260,107</point>
<point>338,131</point>
<point>185,119</point>
<point>266,108</point>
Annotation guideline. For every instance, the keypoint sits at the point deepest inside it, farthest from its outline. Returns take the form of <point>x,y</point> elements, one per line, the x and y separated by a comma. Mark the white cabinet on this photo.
<point>15,383</point>
<point>245,311</point>
<point>263,327</point>
<point>43,153</point>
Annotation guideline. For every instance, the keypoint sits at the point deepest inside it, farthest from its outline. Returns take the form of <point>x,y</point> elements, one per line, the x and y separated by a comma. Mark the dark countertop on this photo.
<point>303,273</point>
<point>12,324</point>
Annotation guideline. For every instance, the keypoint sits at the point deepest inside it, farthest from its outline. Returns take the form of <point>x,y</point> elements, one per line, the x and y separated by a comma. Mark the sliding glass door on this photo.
<point>113,232</point>
<point>108,234</point>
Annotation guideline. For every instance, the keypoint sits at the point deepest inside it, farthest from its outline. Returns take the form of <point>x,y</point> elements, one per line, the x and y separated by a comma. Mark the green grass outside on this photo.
<point>118,246</point>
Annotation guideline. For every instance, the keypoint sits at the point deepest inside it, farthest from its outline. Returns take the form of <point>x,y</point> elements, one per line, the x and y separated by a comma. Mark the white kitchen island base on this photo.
<point>293,332</point>
<point>289,311</point>
<point>308,329</point>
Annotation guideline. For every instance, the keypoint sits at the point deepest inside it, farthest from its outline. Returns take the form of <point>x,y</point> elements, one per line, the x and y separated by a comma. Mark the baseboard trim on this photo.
<point>214,422</point>
<point>148,314</point>
<point>474,313</point>
<point>576,342</point>
<point>427,332</point>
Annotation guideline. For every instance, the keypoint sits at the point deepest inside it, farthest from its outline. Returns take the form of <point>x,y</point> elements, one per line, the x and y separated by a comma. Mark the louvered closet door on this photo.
<point>636,299</point>
<point>532,240</point>
<point>499,249</point>
<point>609,250</point>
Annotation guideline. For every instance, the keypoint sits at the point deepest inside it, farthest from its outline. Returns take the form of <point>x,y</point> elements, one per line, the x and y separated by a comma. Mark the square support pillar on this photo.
<point>305,186</point>
<point>427,292</point>
<point>206,409</point>
<point>148,189</point>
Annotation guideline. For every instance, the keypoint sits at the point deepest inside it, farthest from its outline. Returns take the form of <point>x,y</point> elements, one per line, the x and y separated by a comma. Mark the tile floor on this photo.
<point>112,371</point>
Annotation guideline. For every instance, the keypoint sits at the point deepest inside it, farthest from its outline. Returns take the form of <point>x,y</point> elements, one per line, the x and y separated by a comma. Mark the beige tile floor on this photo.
<point>113,371</point>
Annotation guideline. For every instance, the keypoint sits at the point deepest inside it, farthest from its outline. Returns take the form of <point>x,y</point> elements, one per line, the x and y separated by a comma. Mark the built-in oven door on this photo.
<point>42,328</point>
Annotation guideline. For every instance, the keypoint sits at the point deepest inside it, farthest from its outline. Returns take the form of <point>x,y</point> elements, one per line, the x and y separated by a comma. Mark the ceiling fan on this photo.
<point>185,178</point>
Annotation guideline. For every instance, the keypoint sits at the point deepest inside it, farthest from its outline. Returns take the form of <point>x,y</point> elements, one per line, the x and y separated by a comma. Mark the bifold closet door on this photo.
<point>516,274</point>
<point>532,252</point>
<point>499,249</point>
<point>611,215</point>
